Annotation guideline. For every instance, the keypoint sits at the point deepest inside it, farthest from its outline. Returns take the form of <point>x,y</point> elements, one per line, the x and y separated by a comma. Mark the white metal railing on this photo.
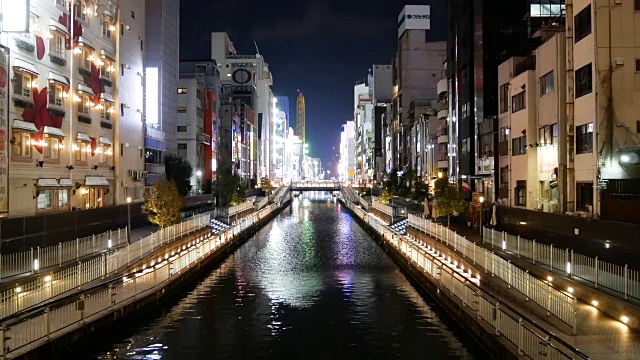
<point>530,339</point>
<point>557,302</point>
<point>36,259</point>
<point>236,209</point>
<point>321,184</point>
<point>388,209</point>
<point>53,284</point>
<point>55,320</point>
<point>614,277</point>
<point>260,204</point>
<point>363,203</point>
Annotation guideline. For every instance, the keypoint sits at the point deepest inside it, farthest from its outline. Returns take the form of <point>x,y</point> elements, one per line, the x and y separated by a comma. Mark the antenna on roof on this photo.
<point>257,50</point>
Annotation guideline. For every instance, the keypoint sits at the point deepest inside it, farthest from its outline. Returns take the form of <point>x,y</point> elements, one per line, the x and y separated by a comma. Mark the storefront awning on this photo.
<point>83,137</point>
<point>53,131</point>
<point>57,78</point>
<point>107,97</point>
<point>23,66</point>
<point>56,26</point>
<point>96,181</point>
<point>65,183</point>
<point>47,183</point>
<point>105,141</point>
<point>85,89</point>
<point>86,43</point>
<point>23,125</point>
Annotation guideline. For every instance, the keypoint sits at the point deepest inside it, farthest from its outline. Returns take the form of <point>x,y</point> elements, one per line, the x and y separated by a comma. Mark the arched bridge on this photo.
<point>315,186</point>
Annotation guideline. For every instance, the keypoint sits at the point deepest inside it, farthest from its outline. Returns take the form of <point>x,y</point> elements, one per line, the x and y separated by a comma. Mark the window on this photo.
<point>121,29</point>
<point>52,147</point>
<point>84,57</point>
<point>105,110</point>
<point>82,10</point>
<point>504,98</point>
<point>546,83</point>
<point>182,90</point>
<point>106,28</point>
<point>182,109</point>
<point>518,101</point>
<point>121,109</point>
<point>22,85</point>
<point>554,134</point>
<point>84,104</point>
<point>637,65</point>
<point>133,14</point>
<point>584,196</point>
<point>519,145</point>
<point>584,138</point>
<point>105,153</point>
<point>637,126</point>
<point>106,69</point>
<point>504,133</point>
<point>583,81</point>
<point>56,94</point>
<point>56,44</point>
<point>182,150</point>
<point>63,198</point>
<point>81,152</point>
<point>141,45</point>
<point>44,200</point>
<point>22,144</point>
<point>544,135</point>
<point>121,69</point>
<point>521,193</point>
<point>182,128</point>
<point>582,23</point>
<point>637,5</point>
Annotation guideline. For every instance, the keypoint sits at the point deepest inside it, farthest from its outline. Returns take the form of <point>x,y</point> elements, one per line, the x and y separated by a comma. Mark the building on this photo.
<point>295,155</point>
<point>347,166</point>
<point>280,134</point>
<point>480,38</point>
<point>568,128</point>
<point>247,78</point>
<point>161,81</point>
<point>382,93</point>
<point>301,118</point>
<point>417,67</point>
<point>60,117</point>
<point>363,117</point>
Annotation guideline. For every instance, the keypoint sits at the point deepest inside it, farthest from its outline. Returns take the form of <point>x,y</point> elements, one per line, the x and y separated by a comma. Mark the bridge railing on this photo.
<point>389,210</point>
<point>318,184</point>
<point>525,334</point>
<point>560,304</point>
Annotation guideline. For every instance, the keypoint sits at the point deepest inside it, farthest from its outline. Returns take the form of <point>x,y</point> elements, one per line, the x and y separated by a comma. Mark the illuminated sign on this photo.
<point>15,15</point>
<point>548,157</point>
<point>414,17</point>
<point>151,99</point>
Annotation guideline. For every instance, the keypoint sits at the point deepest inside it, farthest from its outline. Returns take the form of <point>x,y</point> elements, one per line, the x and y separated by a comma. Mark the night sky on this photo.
<point>321,47</point>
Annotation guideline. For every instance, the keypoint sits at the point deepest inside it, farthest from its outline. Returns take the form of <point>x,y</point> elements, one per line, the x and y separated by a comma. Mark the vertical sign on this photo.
<point>4,129</point>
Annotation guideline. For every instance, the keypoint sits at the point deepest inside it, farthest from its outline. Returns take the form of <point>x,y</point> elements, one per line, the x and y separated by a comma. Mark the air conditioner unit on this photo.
<point>131,173</point>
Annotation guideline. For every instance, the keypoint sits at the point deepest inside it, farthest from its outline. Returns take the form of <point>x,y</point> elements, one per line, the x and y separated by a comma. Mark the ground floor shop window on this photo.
<point>95,198</point>
<point>44,200</point>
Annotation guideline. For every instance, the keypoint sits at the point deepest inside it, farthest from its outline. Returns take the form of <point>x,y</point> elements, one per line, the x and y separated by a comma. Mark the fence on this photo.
<point>614,277</point>
<point>560,304</point>
<point>52,321</point>
<point>530,339</point>
<point>236,209</point>
<point>387,209</point>
<point>48,286</point>
<point>34,259</point>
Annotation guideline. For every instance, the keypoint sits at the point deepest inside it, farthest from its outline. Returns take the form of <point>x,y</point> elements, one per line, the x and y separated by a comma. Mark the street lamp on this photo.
<point>481,201</point>
<point>439,174</point>
<point>128,219</point>
<point>199,175</point>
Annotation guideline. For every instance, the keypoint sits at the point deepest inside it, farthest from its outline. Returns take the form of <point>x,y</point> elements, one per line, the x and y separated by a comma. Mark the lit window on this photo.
<point>63,198</point>
<point>106,28</point>
<point>182,109</point>
<point>22,85</point>
<point>105,110</point>
<point>81,152</point>
<point>182,90</point>
<point>85,57</point>
<point>52,147</point>
<point>57,44</point>
<point>21,143</point>
<point>45,199</point>
<point>56,94</point>
<point>84,104</point>
<point>82,10</point>
<point>105,70</point>
<point>105,155</point>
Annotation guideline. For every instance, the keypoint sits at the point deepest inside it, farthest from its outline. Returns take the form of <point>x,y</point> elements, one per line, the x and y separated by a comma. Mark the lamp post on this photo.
<point>128,219</point>
<point>480,225</point>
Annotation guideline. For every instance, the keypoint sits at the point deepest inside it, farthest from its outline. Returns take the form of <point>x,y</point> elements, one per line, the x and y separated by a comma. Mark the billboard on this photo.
<point>414,17</point>
<point>151,99</point>
<point>4,129</point>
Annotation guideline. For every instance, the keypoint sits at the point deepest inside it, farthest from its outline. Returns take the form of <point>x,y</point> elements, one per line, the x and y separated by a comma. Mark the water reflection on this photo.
<point>311,283</point>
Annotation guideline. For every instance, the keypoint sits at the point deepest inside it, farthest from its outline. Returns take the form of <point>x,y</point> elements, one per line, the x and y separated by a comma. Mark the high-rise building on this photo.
<point>480,38</point>
<point>280,134</point>
<point>382,93</point>
<point>347,166</point>
<point>417,67</point>
<point>363,117</point>
<point>301,117</point>
<point>161,81</point>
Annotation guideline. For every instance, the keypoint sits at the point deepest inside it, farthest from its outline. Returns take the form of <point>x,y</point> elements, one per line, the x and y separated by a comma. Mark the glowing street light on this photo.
<point>129,219</point>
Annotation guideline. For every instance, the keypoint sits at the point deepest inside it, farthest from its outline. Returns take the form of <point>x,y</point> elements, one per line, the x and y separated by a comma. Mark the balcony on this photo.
<point>443,139</point>
<point>154,168</point>
<point>155,134</point>
<point>442,86</point>
<point>527,64</point>
<point>503,148</point>
<point>202,138</point>
<point>443,164</point>
<point>442,114</point>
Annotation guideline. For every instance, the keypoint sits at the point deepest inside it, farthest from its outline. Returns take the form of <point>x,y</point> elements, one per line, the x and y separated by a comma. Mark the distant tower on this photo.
<point>300,117</point>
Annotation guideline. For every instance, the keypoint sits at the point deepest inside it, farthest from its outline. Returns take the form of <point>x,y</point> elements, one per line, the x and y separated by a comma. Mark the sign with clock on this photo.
<point>241,76</point>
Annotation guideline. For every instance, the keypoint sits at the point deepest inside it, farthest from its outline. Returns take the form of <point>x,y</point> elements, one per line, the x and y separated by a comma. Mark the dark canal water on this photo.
<point>310,284</point>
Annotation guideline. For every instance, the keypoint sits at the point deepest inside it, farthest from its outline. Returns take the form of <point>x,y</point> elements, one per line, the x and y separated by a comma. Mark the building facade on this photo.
<point>347,167</point>
<point>301,117</point>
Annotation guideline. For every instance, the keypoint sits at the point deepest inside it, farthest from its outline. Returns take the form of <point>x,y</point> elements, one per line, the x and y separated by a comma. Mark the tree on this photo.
<point>179,171</point>
<point>386,196</point>
<point>420,190</point>
<point>163,203</point>
<point>450,202</point>
<point>237,196</point>
<point>266,186</point>
<point>229,189</point>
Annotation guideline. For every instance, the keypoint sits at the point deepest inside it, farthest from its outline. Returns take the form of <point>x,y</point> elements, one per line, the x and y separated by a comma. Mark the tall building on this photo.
<point>301,117</point>
<point>280,134</point>
<point>480,38</point>
<point>382,93</point>
<point>416,66</point>
<point>248,78</point>
<point>363,117</point>
<point>347,165</point>
<point>61,111</point>
<point>161,81</point>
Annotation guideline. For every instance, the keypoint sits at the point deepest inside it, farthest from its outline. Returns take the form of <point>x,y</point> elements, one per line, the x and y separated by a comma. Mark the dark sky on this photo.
<point>321,47</point>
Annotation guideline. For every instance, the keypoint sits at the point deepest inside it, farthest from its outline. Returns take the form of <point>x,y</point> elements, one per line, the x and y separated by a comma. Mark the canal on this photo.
<point>312,283</point>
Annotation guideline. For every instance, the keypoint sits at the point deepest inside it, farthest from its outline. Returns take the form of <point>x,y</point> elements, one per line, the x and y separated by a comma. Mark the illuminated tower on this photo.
<point>300,117</point>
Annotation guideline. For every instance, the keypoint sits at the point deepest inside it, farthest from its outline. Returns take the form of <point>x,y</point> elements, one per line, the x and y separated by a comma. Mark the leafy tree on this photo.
<point>450,202</point>
<point>266,186</point>
<point>386,196</point>
<point>237,196</point>
<point>420,190</point>
<point>229,188</point>
<point>392,184</point>
<point>179,171</point>
<point>163,203</point>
